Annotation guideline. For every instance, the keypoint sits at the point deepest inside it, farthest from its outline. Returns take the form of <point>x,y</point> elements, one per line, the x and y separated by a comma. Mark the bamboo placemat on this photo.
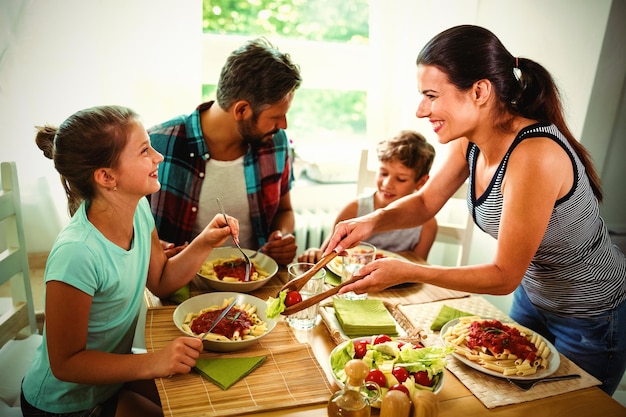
<point>416,294</point>
<point>406,330</point>
<point>290,375</point>
<point>490,390</point>
<point>410,293</point>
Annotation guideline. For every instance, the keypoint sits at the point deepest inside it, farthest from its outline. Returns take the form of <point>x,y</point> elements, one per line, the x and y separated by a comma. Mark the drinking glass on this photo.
<point>357,256</point>
<point>307,318</point>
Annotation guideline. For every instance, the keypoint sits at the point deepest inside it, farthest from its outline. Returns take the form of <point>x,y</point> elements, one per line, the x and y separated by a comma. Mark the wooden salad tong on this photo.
<point>297,283</point>
<point>317,298</point>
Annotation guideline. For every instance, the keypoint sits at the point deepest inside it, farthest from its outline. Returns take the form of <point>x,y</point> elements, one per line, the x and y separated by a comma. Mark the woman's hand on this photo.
<point>381,274</point>
<point>178,357</point>
<point>350,232</point>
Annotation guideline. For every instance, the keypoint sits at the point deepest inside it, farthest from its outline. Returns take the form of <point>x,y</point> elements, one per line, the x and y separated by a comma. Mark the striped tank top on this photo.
<point>577,271</point>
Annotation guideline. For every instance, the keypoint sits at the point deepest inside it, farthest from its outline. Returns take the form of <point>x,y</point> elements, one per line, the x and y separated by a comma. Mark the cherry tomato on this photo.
<point>382,339</point>
<point>360,349</point>
<point>421,377</point>
<point>402,388</point>
<point>377,376</point>
<point>293,297</point>
<point>400,373</point>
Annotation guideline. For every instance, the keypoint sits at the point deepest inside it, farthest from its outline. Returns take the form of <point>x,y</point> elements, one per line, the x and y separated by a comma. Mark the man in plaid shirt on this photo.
<point>234,148</point>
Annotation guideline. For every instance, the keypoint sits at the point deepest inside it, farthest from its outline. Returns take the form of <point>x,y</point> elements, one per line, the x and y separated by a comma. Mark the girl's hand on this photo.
<point>178,357</point>
<point>217,231</point>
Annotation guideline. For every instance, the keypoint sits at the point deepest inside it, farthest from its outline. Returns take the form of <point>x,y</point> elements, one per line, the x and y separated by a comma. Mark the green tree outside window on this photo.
<point>313,112</point>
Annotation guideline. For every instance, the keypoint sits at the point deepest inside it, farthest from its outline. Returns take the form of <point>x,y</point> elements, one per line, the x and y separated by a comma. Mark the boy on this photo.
<point>404,166</point>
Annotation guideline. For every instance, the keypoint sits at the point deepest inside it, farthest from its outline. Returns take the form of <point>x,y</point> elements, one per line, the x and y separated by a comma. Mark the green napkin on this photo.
<point>180,294</point>
<point>364,317</point>
<point>332,278</point>
<point>224,372</point>
<point>445,315</point>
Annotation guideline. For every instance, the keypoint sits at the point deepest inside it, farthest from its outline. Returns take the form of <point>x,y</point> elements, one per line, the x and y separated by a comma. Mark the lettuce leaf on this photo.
<point>339,359</point>
<point>275,306</point>
<point>430,359</point>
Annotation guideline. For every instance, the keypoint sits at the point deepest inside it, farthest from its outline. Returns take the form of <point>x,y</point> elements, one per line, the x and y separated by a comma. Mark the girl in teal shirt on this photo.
<point>98,268</point>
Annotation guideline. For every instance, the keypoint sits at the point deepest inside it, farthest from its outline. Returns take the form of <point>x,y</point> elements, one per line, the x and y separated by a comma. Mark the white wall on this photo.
<point>59,56</point>
<point>604,132</point>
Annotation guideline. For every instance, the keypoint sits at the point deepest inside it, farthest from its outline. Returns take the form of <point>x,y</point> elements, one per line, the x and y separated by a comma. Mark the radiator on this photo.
<point>313,226</point>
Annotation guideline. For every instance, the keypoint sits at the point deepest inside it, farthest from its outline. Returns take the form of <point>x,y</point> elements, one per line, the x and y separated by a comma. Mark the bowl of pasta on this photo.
<point>242,326</point>
<point>224,270</point>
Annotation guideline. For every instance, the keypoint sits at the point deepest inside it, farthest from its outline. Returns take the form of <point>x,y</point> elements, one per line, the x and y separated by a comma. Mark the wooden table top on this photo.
<point>454,399</point>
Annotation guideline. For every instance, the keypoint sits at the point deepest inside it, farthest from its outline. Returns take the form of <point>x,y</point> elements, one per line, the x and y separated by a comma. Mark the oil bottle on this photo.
<point>352,401</point>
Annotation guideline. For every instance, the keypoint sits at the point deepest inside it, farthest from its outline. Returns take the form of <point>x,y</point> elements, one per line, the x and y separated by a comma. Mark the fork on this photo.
<point>526,385</point>
<point>220,317</point>
<point>248,261</point>
<point>260,250</point>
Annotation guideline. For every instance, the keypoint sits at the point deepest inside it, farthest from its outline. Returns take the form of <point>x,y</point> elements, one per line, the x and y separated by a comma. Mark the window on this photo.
<point>329,41</point>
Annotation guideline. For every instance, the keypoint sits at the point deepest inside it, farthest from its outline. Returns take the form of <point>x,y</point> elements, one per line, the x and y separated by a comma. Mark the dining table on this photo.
<point>296,380</point>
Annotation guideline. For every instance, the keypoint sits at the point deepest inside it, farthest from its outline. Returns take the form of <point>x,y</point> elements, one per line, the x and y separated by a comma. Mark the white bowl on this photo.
<point>197,303</point>
<point>263,261</point>
<point>436,389</point>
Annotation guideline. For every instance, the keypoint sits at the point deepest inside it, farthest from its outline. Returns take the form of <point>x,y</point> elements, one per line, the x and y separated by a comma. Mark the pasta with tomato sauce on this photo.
<point>507,348</point>
<point>231,269</point>
<point>240,323</point>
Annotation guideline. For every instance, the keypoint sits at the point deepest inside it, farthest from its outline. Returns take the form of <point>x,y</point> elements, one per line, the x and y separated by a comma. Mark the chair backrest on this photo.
<point>14,259</point>
<point>367,176</point>
<point>454,228</point>
<point>455,225</point>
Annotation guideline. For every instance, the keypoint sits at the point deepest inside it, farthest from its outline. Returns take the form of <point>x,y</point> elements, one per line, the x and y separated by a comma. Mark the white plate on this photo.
<point>335,264</point>
<point>554,359</point>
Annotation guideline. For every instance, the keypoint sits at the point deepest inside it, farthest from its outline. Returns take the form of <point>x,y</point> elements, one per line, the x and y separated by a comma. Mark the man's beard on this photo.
<point>250,134</point>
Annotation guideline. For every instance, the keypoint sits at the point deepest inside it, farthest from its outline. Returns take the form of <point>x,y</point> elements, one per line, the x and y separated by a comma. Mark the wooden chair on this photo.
<point>18,327</point>
<point>456,225</point>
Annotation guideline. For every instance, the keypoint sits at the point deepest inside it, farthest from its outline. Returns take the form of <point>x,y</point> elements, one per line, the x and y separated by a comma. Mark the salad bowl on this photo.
<point>404,365</point>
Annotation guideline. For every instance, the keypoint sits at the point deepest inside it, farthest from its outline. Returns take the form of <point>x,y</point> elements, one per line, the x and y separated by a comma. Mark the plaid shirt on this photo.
<point>267,172</point>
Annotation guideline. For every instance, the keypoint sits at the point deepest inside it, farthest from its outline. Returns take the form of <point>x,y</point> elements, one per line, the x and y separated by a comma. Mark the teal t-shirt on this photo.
<point>115,278</point>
